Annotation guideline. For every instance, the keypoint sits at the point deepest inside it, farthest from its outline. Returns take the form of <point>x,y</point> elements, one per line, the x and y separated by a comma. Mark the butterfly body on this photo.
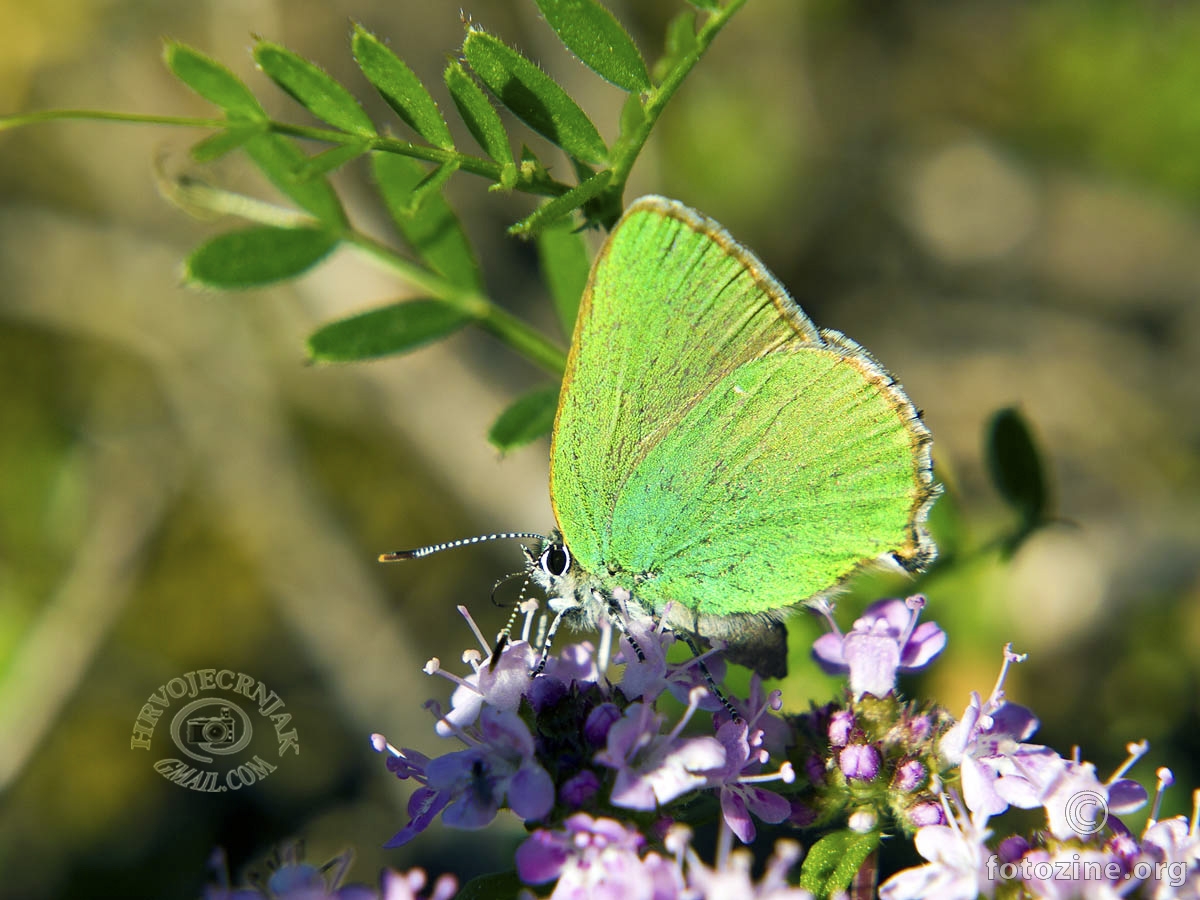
<point>716,455</point>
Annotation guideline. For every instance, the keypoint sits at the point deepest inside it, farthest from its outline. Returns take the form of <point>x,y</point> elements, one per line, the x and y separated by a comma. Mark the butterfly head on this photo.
<point>570,589</point>
<point>550,565</point>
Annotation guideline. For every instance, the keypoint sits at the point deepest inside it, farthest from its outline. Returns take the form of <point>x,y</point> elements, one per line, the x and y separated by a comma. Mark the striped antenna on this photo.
<point>420,552</point>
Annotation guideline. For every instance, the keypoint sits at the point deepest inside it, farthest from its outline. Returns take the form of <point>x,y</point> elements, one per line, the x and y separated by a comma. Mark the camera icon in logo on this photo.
<point>211,725</point>
<point>212,732</point>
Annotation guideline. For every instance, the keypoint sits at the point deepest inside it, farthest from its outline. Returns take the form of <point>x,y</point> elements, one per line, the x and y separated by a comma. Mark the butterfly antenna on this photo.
<point>419,552</point>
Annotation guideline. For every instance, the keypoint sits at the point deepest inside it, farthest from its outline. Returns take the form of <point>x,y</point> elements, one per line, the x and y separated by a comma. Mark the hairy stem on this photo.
<point>495,320</point>
<point>625,154</point>
<point>531,183</point>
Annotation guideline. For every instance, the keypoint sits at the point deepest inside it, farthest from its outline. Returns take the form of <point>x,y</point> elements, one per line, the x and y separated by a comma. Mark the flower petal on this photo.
<point>423,806</point>
<point>873,660</point>
<point>768,806</point>
<point>736,816</point>
<point>926,642</point>
<point>531,791</point>
<point>541,857</point>
<point>827,651</point>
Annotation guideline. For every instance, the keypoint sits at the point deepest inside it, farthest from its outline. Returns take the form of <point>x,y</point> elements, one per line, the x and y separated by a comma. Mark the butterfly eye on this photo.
<point>555,560</point>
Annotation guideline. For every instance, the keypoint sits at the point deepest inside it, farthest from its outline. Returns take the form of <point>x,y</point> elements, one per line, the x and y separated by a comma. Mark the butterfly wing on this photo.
<point>713,445</point>
<point>787,475</point>
<point>673,304</point>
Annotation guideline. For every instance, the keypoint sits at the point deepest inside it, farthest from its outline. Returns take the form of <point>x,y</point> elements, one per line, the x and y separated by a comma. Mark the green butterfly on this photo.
<point>715,455</point>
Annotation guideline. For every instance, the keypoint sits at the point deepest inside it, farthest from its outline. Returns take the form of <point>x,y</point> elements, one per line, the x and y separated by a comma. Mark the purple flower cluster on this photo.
<point>575,740</point>
<point>291,878</point>
<point>1164,864</point>
<point>607,776</point>
<point>1084,850</point>
<point>590,858</point>
<point>885,640</point>
<point>587,853</point>
<point>872,758</point>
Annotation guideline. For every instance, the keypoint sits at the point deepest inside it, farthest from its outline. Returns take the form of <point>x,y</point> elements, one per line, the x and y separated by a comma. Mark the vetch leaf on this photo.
<point>253,257</point>
<point>480,116</point>
<point>680,41</point>
<point>833,861</point>
<point>632,115</point>
<point>431,185</point>
<point>526,420</point>
<point>280,160</point>
<point>565,265</point>
<point>562,205</point>
<point>212,81</point>
<point>313,89</point>
<point>397,328</point>
<point>532,168</point>
<point>430,227</point>
<point>1017,470</point>
<point>217,145</point>
<point>533,97</point>
<point>593,34</point>
<point>400,88</point>
<point>328,160</point>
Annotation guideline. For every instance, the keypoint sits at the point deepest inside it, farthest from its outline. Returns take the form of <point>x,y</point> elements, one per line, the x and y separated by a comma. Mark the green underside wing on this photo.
<point>713,449</point>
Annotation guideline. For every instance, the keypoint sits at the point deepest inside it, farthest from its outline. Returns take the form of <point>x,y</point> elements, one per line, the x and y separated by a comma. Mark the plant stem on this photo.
<point>514,333</point>
<point>626,152</point>
<point>101,115</point>
<point>476,165</point>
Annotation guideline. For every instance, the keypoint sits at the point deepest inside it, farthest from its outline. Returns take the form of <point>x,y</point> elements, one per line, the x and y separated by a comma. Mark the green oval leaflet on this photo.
<point>715,454</point>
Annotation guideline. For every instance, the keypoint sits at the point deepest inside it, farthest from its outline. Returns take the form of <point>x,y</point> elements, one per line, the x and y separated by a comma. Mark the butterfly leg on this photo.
<point>712,683</point>
<point>560,606</point>
<point>619,624</point>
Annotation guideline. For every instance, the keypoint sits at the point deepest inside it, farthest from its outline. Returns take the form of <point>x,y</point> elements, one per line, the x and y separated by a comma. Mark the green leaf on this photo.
<point>253,257</point>
<point>708,5</point>
<point>328,160</point>
<point>212,81</point>
<point>526,420</point>
<point>400,88</point>
<point>496,886</point>
<point>833,861</point>
<point>431,228</point>
<point>217,145</point>
<point>593,34</point>
<point>431,185</point>
<point>313,89</point>
<point>481,117</point>
<point>565,265</point>
<point>632,115</point>
<point>533,97</point>
<point>680,41</point>
<point>280,160</point>
<point>397,328</point>
<point>560,206</point>
<point>1017,470</point>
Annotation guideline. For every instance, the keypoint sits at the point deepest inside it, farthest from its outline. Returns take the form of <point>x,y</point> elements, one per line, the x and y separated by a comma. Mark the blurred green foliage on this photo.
<point>999,200</point>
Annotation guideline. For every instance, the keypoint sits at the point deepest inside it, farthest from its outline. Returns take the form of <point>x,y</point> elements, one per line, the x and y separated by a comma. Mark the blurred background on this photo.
<point>999,200</point>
